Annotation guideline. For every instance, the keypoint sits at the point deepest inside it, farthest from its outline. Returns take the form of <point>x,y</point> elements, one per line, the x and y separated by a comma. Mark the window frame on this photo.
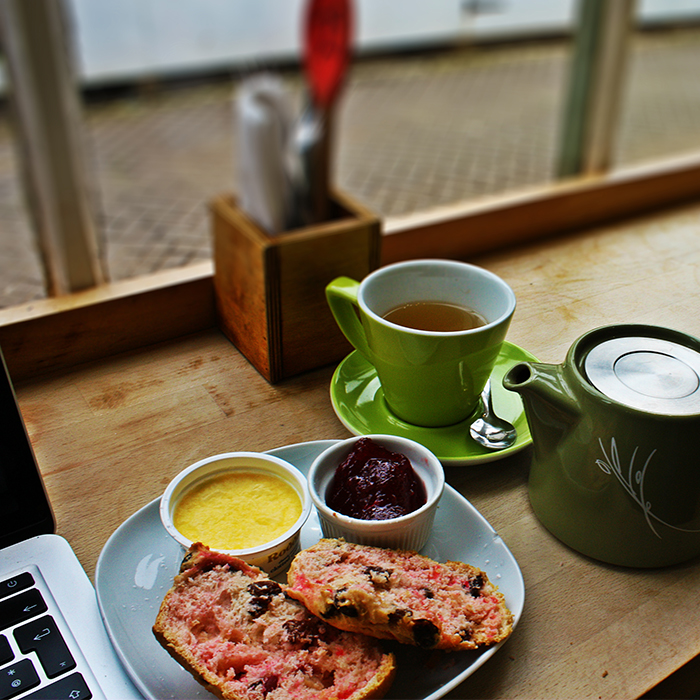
<point>55,334</point>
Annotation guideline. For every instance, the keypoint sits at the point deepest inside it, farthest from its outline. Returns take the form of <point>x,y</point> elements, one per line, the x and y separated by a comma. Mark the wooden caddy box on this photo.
<point>270,291</point>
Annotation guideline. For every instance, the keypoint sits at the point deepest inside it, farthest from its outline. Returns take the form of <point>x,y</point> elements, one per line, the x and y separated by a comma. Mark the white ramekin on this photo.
<point>409,531</point>
<point>272,557</point>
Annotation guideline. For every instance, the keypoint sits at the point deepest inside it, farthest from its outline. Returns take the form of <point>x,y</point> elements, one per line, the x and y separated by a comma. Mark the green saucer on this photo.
<point>358,401</point>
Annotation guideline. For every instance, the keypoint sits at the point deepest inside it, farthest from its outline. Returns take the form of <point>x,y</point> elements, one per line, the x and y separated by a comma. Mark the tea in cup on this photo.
<point>432,329</point>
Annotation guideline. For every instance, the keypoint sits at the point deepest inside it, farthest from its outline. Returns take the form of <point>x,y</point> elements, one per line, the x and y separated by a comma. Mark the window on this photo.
<point>454,125</point>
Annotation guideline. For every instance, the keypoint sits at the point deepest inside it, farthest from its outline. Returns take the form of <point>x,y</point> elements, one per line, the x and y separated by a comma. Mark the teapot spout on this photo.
<point>550,406</point>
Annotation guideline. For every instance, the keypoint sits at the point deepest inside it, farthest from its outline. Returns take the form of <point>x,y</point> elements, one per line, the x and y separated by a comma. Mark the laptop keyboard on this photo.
<point>39,659</point>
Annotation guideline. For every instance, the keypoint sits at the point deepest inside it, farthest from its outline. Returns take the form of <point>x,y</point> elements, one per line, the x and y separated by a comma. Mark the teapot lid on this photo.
<point>650,374</point>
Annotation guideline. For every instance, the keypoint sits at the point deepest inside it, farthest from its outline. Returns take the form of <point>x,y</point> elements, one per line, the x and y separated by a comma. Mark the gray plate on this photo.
<point>138,563</point>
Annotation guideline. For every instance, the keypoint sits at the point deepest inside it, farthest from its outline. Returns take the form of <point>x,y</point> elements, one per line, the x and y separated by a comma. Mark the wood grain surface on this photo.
<point>111,433</point>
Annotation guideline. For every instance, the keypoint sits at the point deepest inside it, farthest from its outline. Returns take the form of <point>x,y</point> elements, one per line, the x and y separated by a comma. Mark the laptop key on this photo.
<point>43,637</point>
<point>17,678</point>
<point>21,607</point>
<point>15,584</point>
<point>71,687</point>
<point>6,653</point>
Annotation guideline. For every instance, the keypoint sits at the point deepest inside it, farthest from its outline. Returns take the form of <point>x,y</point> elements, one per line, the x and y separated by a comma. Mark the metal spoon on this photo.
<point>489,430</point>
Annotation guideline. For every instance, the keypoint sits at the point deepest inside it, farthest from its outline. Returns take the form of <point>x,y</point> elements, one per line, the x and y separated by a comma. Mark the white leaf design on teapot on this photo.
<point>611,465</point>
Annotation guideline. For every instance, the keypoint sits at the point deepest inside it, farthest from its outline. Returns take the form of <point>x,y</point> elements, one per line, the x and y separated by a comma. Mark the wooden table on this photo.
<point>109,436</point>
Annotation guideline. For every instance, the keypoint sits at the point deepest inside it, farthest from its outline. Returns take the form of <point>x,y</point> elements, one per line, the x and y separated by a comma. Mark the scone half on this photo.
<point>243,638</point>
<point>399,595</point>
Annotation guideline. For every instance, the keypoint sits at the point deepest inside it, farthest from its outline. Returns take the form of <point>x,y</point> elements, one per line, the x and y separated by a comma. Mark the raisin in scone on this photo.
<point>243,639</point>
<point>399,595</point>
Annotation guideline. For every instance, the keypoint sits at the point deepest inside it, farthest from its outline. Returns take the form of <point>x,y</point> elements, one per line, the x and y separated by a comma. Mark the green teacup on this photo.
<point>429,377</point>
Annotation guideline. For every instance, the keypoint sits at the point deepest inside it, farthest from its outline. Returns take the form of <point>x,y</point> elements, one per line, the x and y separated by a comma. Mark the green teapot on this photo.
<point>616,444</point>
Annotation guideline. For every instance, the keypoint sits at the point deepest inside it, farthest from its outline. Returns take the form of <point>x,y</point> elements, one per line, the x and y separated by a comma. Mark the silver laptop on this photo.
<point>53,644</point>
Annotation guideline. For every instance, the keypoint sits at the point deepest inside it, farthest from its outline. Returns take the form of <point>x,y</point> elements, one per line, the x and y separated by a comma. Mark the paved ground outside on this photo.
<point>413,132</point>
